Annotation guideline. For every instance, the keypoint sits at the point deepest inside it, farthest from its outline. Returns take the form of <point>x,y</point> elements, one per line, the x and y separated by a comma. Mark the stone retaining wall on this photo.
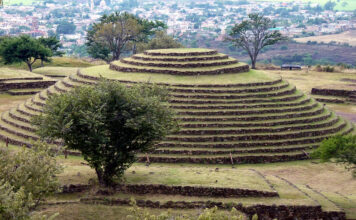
<point>254,118</point>
<point>216,152</point>
<point>264,212</point>
<point>186,54</point>
<point>227,160</point>
<point>180,65</point>
<point>186,59</point>
<point>246,112</point>
<point>221,107</point>
<point>257,130</point>
<point>237,69</point>
<point>256,95</point>
<point>332,92</point>
<point>266,124</point>
<point>216,91</point>
<point>199,191</point>
<point>261,137</point>
<point>26,85</point>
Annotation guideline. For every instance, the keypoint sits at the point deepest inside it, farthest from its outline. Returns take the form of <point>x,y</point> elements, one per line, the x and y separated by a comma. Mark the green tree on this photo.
<point>160,41</point>
<point>53,44</point>
<point>108,123</point>
<point>253,35</point>
<point>118,32</point>
<point>23,49</point>
<point>26,178</point>
<point>340,148</point>
<point>66,27</point>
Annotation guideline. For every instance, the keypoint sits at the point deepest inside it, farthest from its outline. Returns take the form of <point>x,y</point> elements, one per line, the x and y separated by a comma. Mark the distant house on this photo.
<point>291,67</point>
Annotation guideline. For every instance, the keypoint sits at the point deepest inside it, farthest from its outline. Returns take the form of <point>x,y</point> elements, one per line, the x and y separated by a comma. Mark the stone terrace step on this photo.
<point>264,123</point>
<point>260,136</point>
<point>230,112</point>
<point>232,68</point>
<point>179,64</point>
<point>257,143</point>
<point>144,57</point>
<point>238,130</point>
<point>257,117</point>
<point>240,151</point>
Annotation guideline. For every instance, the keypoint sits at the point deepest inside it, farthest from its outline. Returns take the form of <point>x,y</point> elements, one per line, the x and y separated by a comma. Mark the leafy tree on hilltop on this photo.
<point>23,49</point>
<point>117,33</point>
<point>108,123</point>
<point>160,41</point>
<point>53,44</point>
<point>253,35</point>
<point>341,148</point>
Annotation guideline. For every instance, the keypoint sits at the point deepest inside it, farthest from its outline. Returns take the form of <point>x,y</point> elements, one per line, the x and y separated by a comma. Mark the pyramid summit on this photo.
<point>227,112</point>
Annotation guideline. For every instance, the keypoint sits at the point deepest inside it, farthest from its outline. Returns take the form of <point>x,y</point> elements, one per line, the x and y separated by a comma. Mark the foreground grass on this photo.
<point>329,179</point>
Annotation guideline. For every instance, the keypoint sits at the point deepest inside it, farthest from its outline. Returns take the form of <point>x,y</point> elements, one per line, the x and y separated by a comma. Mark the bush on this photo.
<point>26,178</point>
<point>340,148</point>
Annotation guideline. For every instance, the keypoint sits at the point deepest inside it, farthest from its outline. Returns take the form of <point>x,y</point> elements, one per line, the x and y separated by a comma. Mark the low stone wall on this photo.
<point>186,54</point>
<point>27,78</point>
<point>328,100</point>
<point>228,107</point>
<point>142,189</point>
<point>25,85</point>
<point>245,112</point>
<point>332,92</point>
<point>237,69</point>
<point>254,118</point>
<point>215,91</point>
<point>183,59</point>
<point>257,130</point>
<point>261,137</point>
<point>263,211</point>
<point>265,124</point>
<point>18,93</point>
<point>241,101</point>
<point>227,160</point>
<point>257,95</point>
<point>194,191</point>
<point>180,65</point>
<point>216,152</point>
<point>18,125</point>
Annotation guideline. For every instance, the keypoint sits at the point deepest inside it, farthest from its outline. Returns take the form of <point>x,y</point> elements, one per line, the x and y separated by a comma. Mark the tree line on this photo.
<point>119,34</point>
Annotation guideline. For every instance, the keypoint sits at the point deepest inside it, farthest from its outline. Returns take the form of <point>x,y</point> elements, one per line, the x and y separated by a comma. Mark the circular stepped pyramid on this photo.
<point>228,113</point>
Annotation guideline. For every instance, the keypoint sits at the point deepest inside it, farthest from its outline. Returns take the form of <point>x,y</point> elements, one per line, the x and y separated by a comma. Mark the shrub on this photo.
<point>26,177</point>
<point>340,148</point>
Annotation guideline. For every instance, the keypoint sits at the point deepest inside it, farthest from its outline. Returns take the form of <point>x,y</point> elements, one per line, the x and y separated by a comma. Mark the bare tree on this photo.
<point>254,34</point>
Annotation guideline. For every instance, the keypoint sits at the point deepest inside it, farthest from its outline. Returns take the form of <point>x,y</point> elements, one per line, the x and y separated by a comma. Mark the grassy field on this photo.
<point>311,177</point>
<point>56,71</point>
<point>57,62</point>
<point>8,73</point>
<point>23,2</point>
<point>345,37</point>
<point>350,4</point>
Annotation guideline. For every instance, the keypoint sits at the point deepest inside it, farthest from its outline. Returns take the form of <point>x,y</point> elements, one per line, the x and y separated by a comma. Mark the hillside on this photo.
<point>348,37</point>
